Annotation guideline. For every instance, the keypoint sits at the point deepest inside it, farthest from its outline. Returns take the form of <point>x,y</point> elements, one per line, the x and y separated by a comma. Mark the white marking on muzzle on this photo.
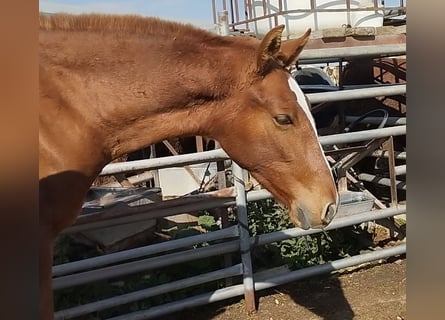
<point>301,99</point>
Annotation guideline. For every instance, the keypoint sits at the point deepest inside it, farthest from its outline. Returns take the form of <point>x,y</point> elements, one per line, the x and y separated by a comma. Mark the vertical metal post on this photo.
<point>199,144</point>
<point>241,204</point>
<point>249,3</point>
<point>223,213</point>
<point>232,13</point>
<point>264,9</point>
<point>223,23</point>
<point>155,172</point>
<point>390,223</point>
<point>342,184</point>
<point>214,11</point>
<point>246,14</point>
<point>389,146</point>
<point>236,12</point>
<point>348,11</point>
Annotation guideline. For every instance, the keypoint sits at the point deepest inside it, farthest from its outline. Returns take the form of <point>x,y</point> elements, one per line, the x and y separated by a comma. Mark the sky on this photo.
<point>198,12</point>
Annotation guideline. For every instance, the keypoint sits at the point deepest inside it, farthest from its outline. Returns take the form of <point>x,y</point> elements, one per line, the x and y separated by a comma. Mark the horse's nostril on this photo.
<point>304,221</point>
<point>330,212</point>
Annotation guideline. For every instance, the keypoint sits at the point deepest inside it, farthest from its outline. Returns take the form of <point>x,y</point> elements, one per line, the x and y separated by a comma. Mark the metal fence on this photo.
<point>233,239</point>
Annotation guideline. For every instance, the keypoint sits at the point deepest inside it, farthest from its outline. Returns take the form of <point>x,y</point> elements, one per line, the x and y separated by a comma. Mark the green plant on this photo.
<point>267,216</point>
<point>207,222</point>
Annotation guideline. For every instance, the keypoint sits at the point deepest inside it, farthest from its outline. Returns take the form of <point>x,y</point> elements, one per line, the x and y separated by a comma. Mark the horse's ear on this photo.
<point>291,49</point>
<point>269,48</point>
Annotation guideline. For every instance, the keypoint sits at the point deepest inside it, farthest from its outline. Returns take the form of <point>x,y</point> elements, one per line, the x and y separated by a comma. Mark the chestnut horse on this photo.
<point>110,85</point>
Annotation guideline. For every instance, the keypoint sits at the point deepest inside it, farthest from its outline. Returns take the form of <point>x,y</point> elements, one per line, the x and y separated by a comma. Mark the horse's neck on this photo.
<point>176,99</point>
<point>132,101</point>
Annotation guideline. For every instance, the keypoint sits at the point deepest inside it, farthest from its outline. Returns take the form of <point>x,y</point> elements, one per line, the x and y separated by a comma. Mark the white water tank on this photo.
<point>297,23</point>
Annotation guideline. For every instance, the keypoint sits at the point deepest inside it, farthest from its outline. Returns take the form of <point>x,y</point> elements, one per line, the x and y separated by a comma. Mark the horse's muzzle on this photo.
<point>327,216</point>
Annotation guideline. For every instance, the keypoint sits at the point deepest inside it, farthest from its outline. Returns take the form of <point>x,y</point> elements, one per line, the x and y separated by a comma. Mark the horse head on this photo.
<point>273,134</point>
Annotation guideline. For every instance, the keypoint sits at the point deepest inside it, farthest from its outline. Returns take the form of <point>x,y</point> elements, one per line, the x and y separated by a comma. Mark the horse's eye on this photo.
<point>283,119</point>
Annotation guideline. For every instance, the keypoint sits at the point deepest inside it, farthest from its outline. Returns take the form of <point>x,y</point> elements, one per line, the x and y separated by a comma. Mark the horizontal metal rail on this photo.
<point>165,162</point>
<point>220,154</point>
<point>258,195</point>
<point>399,155</point>
<point>400,170</point>
<point>401,185</point>
<point>362,135</point>
<point>360,93</point>
<point>237,290</point>
<point>147,213</point>
<point>353,52</point>
<point>391,121</point>
<point>112,258</point>
<point>143,265</point>
<point>144,212</point>
<point>331,266</point>
<point>149,292</point>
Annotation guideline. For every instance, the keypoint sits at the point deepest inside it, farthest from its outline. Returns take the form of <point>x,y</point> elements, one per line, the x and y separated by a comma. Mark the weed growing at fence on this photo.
<point>267,216</point>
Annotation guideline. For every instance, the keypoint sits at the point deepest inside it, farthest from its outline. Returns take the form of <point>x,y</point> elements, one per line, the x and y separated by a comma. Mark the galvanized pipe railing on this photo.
<point>331,266</point>
<point>149,292</point>
<point>241,210</point>
<point>391,121</point>
<point>259,285</point>
<point>238,290</point>
<point>112,258</point>
<point>400,170</point>
<point>144,212</point>
<point>165,162</point>
<point>399,155</point>
<point>353,52</point>
<point>144,265</point>
<point>401,185</point>
<point>360,93</point>
<point>362,135</point>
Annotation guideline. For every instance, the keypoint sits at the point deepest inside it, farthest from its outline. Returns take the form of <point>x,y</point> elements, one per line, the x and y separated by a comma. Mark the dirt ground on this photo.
<point>371,293</point>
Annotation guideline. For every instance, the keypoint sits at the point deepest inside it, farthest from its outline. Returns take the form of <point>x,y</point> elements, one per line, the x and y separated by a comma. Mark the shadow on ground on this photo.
<point>373,292</point>
<point>321,296</point>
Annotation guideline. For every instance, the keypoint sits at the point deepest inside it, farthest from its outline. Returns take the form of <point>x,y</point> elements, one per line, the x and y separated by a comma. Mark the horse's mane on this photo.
<point>122,24</point>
